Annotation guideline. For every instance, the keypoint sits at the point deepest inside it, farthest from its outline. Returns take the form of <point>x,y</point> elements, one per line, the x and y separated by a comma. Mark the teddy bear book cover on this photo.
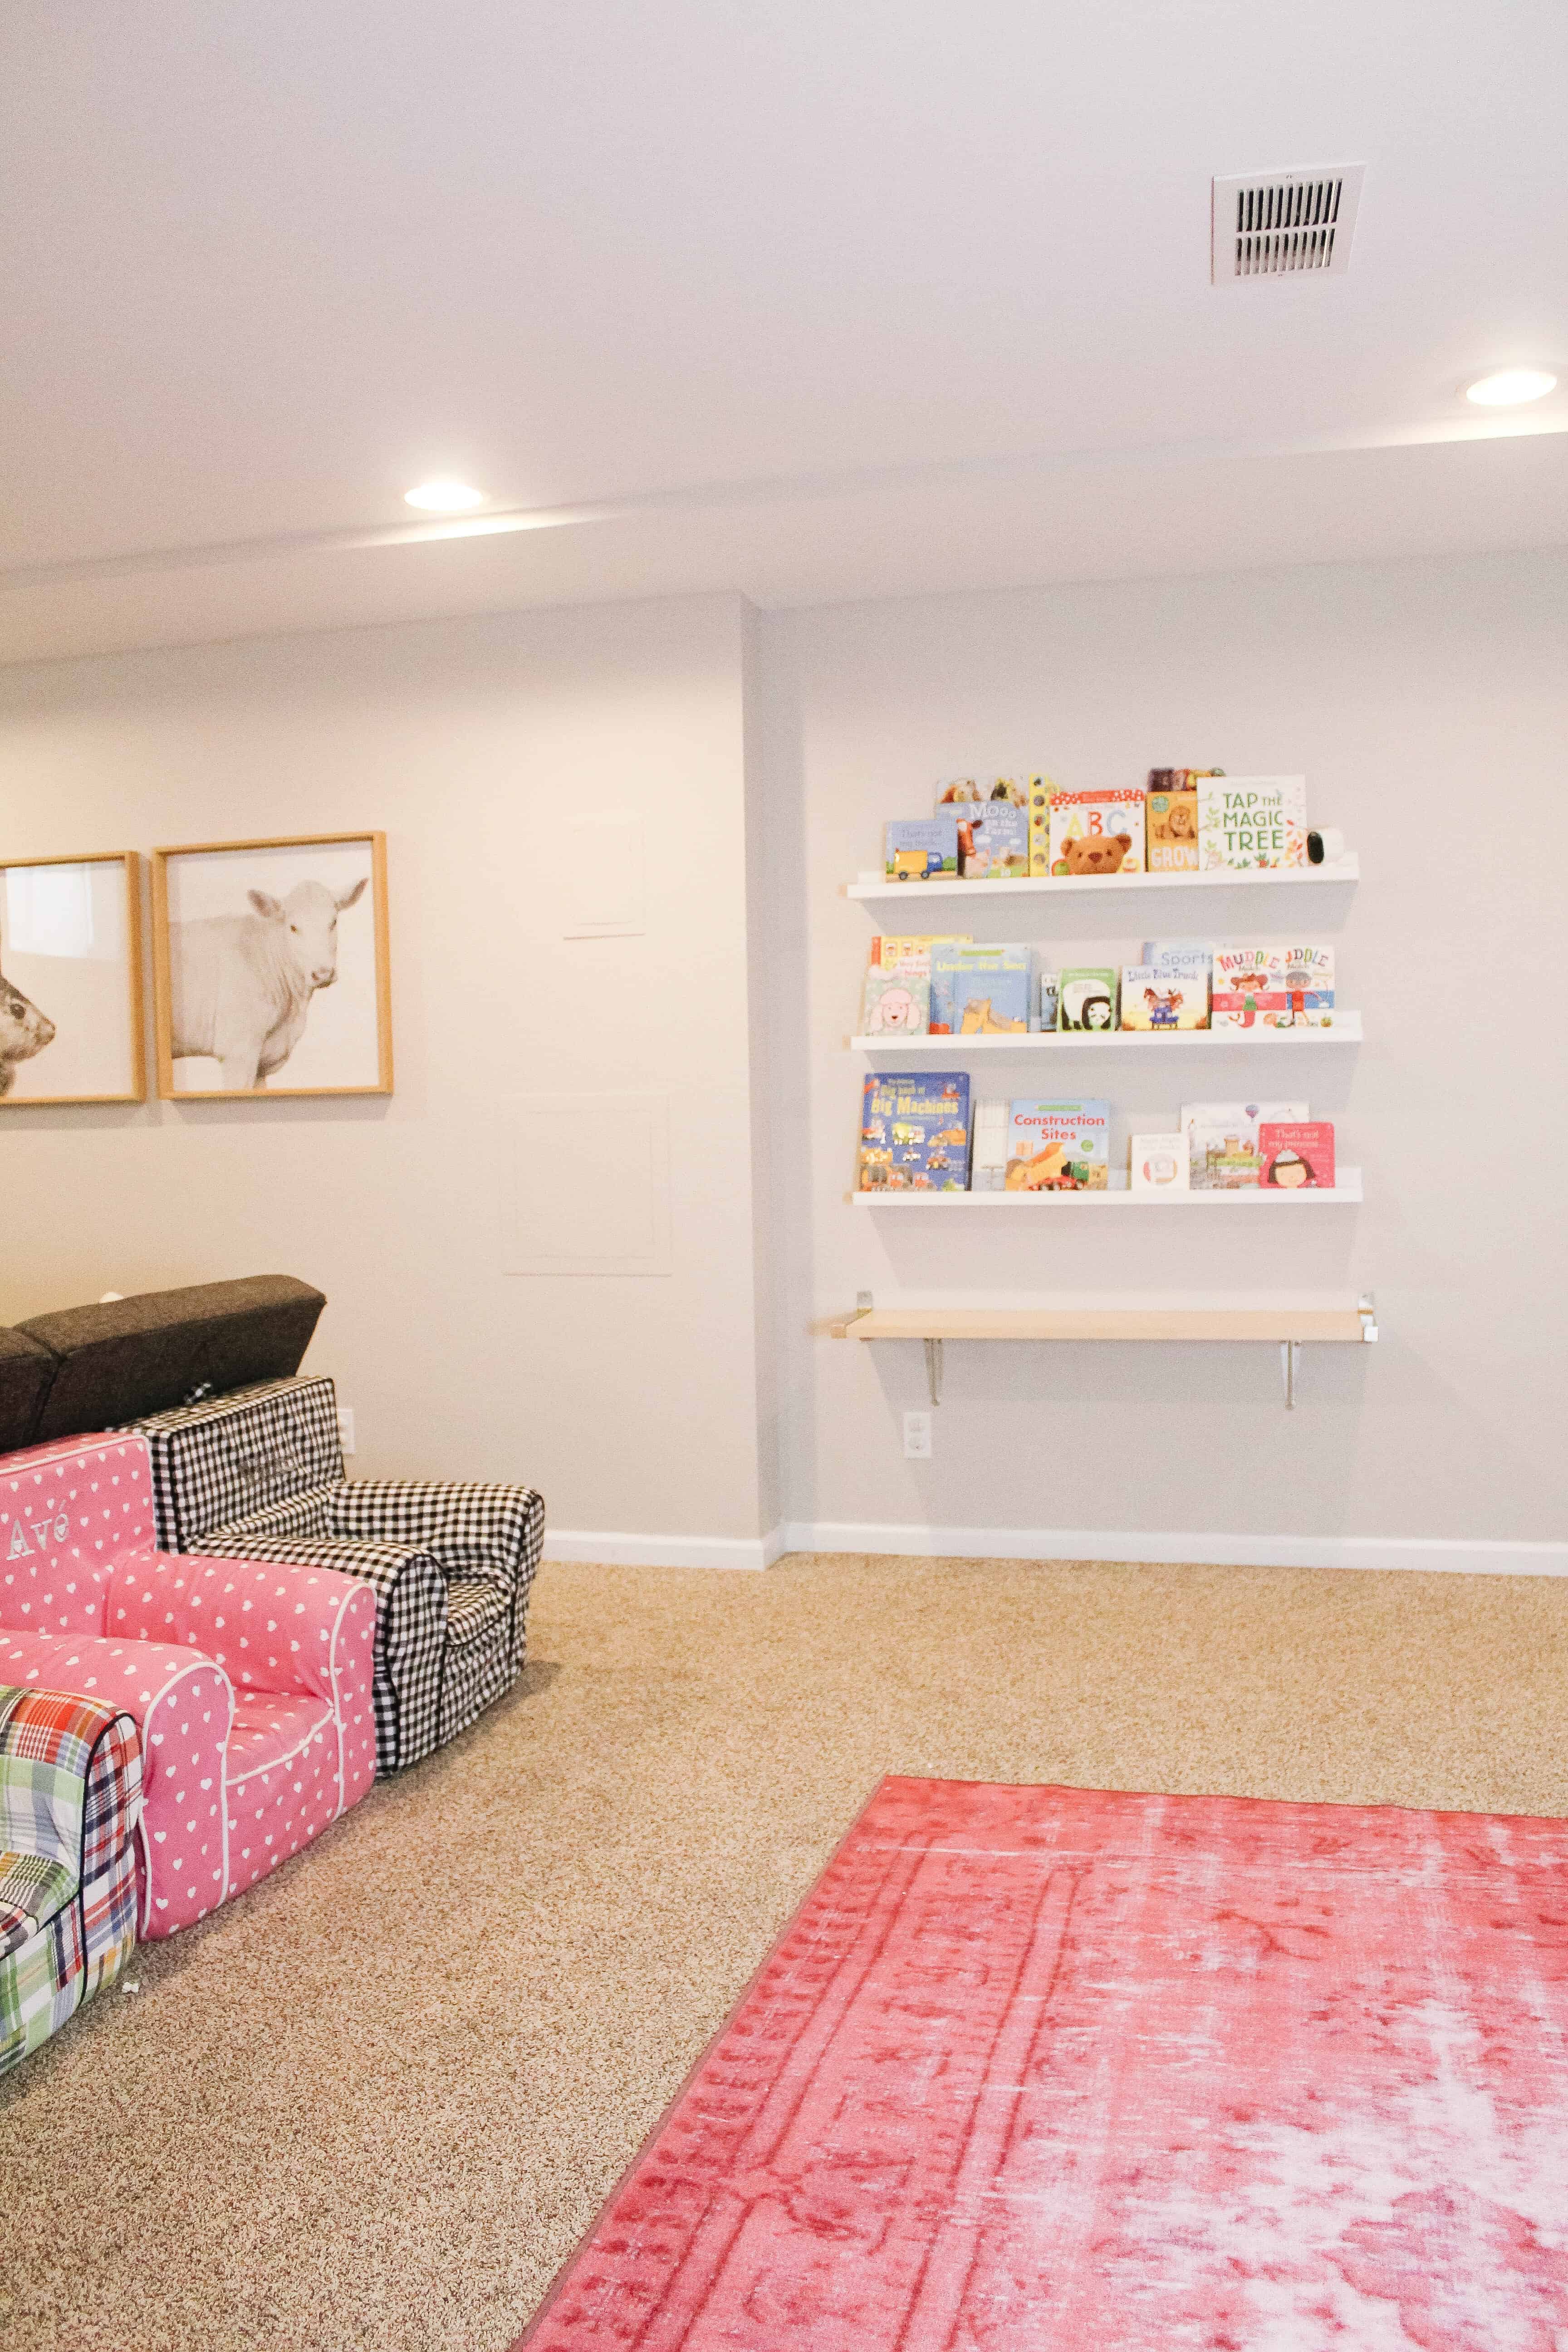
<point>1097,834</point>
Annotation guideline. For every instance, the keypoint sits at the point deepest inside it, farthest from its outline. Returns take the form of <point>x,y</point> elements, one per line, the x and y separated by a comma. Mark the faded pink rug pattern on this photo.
<point>1046,2070</point>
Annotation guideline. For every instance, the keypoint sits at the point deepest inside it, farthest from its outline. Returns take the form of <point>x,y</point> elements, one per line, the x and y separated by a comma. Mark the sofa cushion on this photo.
<point>133,1356</point>
<point>25,1371</point>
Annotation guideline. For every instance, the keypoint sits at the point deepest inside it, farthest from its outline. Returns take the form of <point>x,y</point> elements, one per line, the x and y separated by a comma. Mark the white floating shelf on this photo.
<point>1290,877</point>
<point>1259,1199</point>
<point>1346,1031</point>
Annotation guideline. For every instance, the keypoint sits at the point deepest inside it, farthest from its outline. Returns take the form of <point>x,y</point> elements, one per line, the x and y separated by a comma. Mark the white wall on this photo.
<point>1425,704</point>
<point>632,1401</point>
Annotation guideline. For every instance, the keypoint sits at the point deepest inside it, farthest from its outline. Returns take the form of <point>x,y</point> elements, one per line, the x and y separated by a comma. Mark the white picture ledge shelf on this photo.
<point>1346,1031</point>
<point>1353,1325</point>
<point>1288,877</point>
<point>1255,1200</point>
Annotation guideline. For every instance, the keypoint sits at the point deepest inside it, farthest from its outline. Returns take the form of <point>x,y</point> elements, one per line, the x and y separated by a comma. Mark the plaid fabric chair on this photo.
<point>70,1800</point>
<point>258,1474</point>
<point>250,1684</point>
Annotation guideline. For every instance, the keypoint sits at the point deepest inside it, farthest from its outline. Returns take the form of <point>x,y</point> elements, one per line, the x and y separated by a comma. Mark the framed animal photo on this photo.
<point>270,967</point>
<point>70,981</point>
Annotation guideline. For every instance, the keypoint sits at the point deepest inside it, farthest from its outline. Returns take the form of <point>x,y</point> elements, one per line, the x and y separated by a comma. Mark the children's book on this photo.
<point>1048,1006</point>
<point>1249,989</point>
<point>900,963</point>
<point>1097,832</point>
<point>1181,956</point>
<point>1058,1147</point>
<point>1152,998</point>
<point>1157,1163</point>
<point>1086,999</point>
<point>1250,821</point>
<point>1298,1154</point>
<point>993,841</point>
<point>897,1001</point>
<point>988,1153</point>
<point>914,1132</point>
<point>1173,820</point>
<point>921,848</point>
<point>980,990</point>
<point>1223,1148</point>
<point>1041,790</point>
<point>963,789</point>
<point>1309,986</point>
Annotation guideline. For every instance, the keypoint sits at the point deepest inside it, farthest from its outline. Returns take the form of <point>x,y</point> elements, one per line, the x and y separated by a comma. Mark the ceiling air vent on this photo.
<point>1284,224</point>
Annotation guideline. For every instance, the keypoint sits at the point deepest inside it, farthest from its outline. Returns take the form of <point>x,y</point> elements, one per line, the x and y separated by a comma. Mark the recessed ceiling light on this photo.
<point>1509,386</point>
<point>443,497</point>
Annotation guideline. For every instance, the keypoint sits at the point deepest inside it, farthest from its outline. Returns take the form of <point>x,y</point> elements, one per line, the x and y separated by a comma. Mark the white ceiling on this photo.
<point>808,300</point>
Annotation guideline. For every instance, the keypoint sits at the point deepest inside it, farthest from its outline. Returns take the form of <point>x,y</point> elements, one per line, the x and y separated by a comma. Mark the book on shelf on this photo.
<point>993,841</point>
<point>897,1001</point>
<point>1223,1148</point>
<point>1157,1163</point>
<point>914,1132</point>
<point>1041,790</point>
<point>1156,999</point>
<point>1185,958</point>
<point>1171,814</point>
<point>1058,1147</point>
<point>1048,999</point>
<point>1247,822</point>
<point>895,998</point>
<point>981,989</point>
<point>960,791</point>
<point>1249,989</point>
<point>1097,834</point>
<point>1309,986</point>
<point>921,848</point>
<point>1086,998</point>
<point>988,1149</point>
<point>1298,1154</point>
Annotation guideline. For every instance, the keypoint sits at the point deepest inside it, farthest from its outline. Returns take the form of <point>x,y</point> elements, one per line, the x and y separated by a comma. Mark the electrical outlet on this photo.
<point>917,1437</point>
<point>346,1427</point>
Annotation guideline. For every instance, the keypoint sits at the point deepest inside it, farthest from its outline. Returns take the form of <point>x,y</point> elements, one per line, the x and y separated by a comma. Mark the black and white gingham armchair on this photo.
<point>258,1474</point>
<point>248,1463</point>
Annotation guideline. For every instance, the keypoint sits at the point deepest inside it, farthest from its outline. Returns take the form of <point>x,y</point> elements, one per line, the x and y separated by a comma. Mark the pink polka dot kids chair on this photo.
<point>250,1684</point>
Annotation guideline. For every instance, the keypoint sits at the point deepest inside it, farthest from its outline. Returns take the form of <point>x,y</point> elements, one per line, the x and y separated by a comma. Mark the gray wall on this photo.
<point>1425,704</point>
<point>632,1401</point>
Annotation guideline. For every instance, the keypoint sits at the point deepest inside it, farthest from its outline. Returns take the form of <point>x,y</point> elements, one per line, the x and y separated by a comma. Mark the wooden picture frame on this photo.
<point>230,989</point>
<point>69,933</point>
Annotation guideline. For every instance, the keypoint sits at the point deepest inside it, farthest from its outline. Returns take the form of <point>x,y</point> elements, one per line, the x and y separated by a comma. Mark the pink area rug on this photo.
<point>1040,2068</point>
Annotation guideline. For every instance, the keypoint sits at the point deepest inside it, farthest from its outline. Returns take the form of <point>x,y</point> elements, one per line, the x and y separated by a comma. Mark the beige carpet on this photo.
<point>375,2102</point>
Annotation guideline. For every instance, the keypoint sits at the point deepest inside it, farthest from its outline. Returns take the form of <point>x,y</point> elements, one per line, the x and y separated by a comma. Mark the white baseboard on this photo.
<point>618,1550</point>
<point>1428,1552</point>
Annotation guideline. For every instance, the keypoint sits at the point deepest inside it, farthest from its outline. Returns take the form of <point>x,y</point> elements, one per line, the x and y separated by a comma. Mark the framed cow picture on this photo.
<point>270,967</point>
<point>70,981</point>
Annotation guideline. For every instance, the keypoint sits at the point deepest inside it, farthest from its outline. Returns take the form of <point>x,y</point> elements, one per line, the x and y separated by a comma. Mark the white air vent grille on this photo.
<point>1284,224</point>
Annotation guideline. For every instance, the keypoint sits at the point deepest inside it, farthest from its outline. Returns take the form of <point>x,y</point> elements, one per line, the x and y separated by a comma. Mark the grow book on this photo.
<point>1172,819</point>
<point>1297,1155</point>
<point>1086,998</point>
<point>1058,1147</point>
<point>1250,820</point>
<point>921,848</point>
<point>1097,832</point>
<point>1223,1151</point>
<point>1152,998</point>
<point>980,990</point>
<point>914,1132</point>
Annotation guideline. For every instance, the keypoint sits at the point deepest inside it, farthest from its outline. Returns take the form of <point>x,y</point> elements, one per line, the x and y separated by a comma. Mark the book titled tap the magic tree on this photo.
<point>1245,822</point>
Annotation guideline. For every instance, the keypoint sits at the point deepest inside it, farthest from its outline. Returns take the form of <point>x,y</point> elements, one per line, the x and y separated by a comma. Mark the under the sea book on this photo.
<point>980,988</point>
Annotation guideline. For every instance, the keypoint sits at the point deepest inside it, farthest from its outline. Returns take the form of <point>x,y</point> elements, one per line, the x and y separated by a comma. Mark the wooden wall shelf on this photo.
<point>1098,886</point>
<point>1292,1328</point>
<point>1346,1031</point>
